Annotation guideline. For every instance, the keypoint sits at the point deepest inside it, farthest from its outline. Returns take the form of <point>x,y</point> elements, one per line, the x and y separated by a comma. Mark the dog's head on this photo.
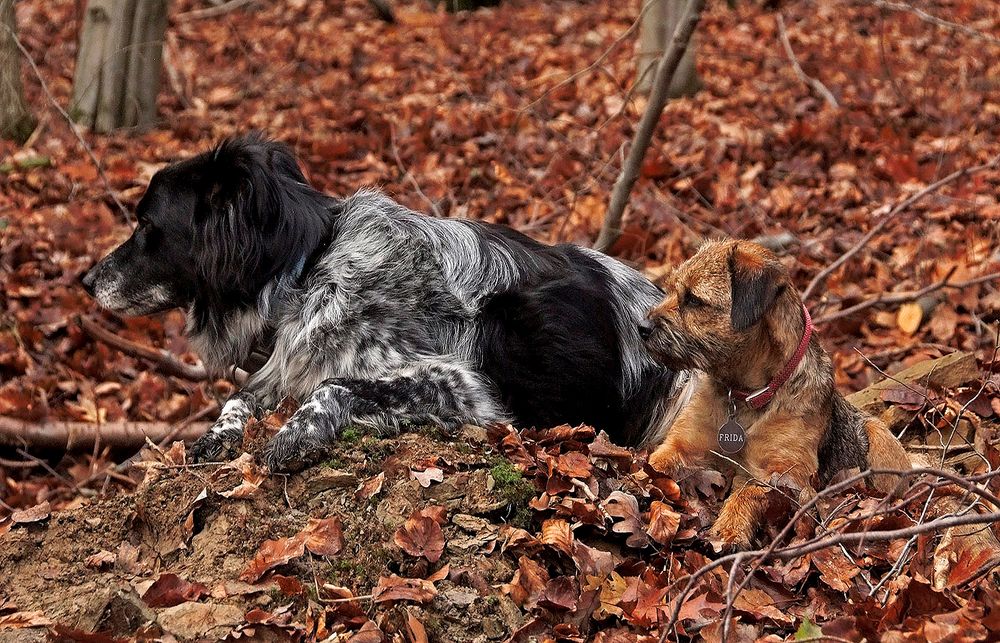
<point>221,224</point>
<point>713,306</point>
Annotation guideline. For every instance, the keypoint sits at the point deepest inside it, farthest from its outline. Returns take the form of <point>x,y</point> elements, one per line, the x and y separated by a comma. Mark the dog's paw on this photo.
<point>295,447</point>
<point>221,443</point>
<point>665,460</point>
<point>730,535</point>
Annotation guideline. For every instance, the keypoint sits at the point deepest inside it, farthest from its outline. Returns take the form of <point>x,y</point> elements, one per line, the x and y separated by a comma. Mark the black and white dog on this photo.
<point>377,316</point>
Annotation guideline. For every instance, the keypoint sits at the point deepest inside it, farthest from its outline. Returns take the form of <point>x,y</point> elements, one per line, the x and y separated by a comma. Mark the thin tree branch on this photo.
<point>890,216</point>
<point>903,297</point>
<point>934,20</point>
<point>665,70</point>
<point>759,556</point>
<point>212,12</point>
<point>72,126</point>
<point>809,81</point>
<point>164,361</point>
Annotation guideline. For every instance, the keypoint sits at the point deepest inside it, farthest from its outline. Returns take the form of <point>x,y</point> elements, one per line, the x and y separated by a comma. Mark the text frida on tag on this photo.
<point>732,437</point>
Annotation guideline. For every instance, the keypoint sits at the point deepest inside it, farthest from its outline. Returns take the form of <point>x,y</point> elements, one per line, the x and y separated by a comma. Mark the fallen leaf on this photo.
<point>170,589</point>
<point>273,553</point>
<point>557,534</point>
<point>394,588</point>
<point>427,476</point>
<point>324,536</point>
<point>421,535</point>
<point>370,487</point>
<point>39,512</point>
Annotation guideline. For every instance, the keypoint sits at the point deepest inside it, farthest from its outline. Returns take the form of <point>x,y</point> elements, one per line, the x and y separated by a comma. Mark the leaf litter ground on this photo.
<point>473,109</point>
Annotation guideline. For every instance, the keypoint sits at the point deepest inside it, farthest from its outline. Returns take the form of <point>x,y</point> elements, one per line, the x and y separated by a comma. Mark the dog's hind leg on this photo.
<point>434,392</point>
<point>224,438</point>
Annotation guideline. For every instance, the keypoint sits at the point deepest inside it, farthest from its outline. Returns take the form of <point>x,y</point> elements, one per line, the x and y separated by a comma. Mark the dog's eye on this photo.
<point>692,300</point>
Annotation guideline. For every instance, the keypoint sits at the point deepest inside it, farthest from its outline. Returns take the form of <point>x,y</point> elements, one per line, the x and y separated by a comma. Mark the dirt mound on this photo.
<point>188,526</point>
<point>494,534</point>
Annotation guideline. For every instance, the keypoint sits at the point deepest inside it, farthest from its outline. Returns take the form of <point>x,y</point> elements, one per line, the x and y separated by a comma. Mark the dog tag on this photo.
<point>732,437</point>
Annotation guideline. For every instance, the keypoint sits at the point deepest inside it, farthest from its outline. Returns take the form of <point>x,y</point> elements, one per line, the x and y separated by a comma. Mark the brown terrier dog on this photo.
<point>762,393</point>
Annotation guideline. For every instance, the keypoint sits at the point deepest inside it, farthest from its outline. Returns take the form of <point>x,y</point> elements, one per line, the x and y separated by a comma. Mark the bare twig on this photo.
<point>72,126</point>
<point>772,551</point>
<point>165,361</point>
<point>597,62</point>
<point>665,69</point>
<point>409,175</point>
<point>816,85</point>
<point>212,12</point>
<point>903,297</point>
<point>934,20</point>
<point>890,216</point>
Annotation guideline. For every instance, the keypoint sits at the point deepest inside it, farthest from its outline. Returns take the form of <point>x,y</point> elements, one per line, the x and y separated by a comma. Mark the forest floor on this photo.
<point>517,115</point>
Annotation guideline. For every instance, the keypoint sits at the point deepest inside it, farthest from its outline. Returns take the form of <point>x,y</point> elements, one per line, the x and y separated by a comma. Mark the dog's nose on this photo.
<point>646,328</point>
<point>88,282</point>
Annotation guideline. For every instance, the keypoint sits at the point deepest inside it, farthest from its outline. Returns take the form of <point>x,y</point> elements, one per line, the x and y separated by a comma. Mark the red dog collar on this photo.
<point>759,399</point>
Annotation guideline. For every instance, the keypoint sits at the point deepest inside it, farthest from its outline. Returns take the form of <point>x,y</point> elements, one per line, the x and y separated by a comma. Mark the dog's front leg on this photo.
<point>437,393</point>
<point>225,437</point>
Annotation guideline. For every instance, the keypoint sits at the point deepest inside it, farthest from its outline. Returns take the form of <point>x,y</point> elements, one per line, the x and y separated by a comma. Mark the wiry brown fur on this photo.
<point>732,313</point>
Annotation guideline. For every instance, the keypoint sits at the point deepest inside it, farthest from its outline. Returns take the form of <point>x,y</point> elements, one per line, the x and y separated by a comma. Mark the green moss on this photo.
<point>515,490</point>
<point>351,434</point>
<point>335,462</point>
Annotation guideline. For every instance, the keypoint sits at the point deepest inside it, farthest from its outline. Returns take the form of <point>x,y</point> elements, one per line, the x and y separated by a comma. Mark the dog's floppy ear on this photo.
<point>756,282</point>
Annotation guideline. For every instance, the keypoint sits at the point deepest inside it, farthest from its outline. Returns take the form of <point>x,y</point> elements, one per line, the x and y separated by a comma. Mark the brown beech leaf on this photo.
<point>370,487</point>
<point>663,522</point>
<point>253,477</point>
<point>573,465</point>
<point>394,588</point>
<point>170,589</point>
<point>834,568</point>
<point>560,593</point>
<point>273,553</point>
<point>528,583</point>
<point>37,513</point>
<point>437,513</point>
<point>415,630</point>
<point>625,506</point>
<point>324,536</point>
<point>421,535</point>
<point>427,476</point>
<point>557,534</point>
<point>101,559</point>
<point>602,447</point>
<point>21,620</point>
<point>288,585</point>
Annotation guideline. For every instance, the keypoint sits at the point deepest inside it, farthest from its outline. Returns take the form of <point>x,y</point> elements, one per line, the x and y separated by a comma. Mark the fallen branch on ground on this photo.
<point>806,79</point>
<point>59,434</point>
<point>665,69</point>
<point>890,216</point>
<point>164,361</point>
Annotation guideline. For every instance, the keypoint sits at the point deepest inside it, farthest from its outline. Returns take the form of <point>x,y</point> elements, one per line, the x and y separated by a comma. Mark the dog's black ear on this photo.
<point>756,280</point>
<point>257,216</point>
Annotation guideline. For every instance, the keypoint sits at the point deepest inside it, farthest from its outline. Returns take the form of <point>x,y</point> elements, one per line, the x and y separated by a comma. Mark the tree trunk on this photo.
<point>119,63</point>
<point>16,122</point>
<point>657,27</point>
